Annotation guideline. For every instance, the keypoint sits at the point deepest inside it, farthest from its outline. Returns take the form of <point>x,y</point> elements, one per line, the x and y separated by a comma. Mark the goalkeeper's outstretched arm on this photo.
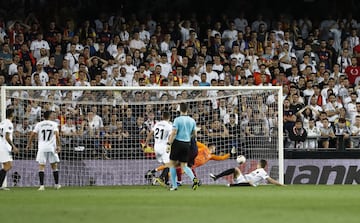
<point>220,158</point>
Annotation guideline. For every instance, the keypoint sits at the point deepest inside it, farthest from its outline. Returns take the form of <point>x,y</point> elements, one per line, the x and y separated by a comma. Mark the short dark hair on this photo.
<point>9,113</point>
<point>166,115</point>
<point>342,120</point>
<point>47,114</point>
<point>183,107</point>
<point>263,163</point>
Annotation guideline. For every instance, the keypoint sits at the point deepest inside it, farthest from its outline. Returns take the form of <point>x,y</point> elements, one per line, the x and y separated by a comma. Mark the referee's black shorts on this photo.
<point>180,151</point>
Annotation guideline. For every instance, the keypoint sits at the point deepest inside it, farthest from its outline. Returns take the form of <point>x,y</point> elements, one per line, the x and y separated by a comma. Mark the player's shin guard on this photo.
<point>41,177</point>
<point>56,176</point>
<point>226,172</point>
<point>2,176</point>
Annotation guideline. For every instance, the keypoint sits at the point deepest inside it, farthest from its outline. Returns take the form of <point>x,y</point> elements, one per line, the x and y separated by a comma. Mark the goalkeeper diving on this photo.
<point>204,154</point>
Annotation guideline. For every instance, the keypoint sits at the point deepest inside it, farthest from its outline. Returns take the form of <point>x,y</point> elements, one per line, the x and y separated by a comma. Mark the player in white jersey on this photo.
<point>254,178</point>
<point>161,132</point>
<point>6,145</point>
<point>48,147</point>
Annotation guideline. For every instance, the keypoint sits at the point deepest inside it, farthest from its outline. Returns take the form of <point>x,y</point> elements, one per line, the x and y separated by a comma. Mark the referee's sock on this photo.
<point>56,176</point>
<point>226,172</point>
<point>173,177</point>
<point>41,177</point>
<point>2,176</point>
<point>189,172</point>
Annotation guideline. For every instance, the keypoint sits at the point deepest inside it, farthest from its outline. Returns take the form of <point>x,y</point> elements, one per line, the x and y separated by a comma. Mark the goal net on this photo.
<point>102,130</point>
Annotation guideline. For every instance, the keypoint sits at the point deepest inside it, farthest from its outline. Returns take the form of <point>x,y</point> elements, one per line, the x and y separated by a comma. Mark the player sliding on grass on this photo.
<point>253,178</point>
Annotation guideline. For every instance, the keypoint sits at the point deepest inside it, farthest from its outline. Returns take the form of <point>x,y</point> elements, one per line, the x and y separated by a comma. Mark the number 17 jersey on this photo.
<point>46,135</point>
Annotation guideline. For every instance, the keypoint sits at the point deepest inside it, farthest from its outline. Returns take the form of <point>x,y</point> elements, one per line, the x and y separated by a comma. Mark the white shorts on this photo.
<point>161,155</point>
<point>240,179</point>
<point>42,157</point>
<point>5,156</point>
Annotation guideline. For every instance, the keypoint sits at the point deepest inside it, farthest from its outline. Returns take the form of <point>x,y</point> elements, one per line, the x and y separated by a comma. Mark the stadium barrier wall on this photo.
<point>123,172</point>
<point>322,171</point>
<point>112,172</point>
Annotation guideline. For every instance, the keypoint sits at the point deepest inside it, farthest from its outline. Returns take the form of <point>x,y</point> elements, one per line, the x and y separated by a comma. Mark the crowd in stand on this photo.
<point>316,65</point>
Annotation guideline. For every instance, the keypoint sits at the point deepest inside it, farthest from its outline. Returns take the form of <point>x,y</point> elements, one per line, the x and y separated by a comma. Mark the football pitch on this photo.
<point>215,203</point>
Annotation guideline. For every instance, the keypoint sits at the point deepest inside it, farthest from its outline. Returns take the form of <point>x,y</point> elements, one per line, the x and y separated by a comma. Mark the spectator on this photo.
<point>289,116</point>
<point>297,135</point>
<point>327,134</point>
<point>136,43</point>
<point>38,44</point>
<point>6,55</point>
<point>313,134</point>
<point>86,31</point>
<point>217,132</point>
<point>256,130</point>
<point>69,134</point>
<point>102,52</point>
<point>342,133</point>
<point>332,108</point>
<point>353,71</point>
<point>234,128</point>
<point>22,132</point>
<point>355,132</point>
<point>14,65</point>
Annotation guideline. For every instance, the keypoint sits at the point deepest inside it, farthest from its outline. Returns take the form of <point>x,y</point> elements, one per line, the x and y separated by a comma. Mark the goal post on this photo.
<point>3,116</point>
<point>103,129</point>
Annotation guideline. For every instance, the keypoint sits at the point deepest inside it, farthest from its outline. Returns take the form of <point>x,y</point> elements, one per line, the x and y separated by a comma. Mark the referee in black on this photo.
<point>184,128</point>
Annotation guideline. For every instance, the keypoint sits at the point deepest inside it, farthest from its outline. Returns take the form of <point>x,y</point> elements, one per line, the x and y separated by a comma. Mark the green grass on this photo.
<point>132,204</point>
